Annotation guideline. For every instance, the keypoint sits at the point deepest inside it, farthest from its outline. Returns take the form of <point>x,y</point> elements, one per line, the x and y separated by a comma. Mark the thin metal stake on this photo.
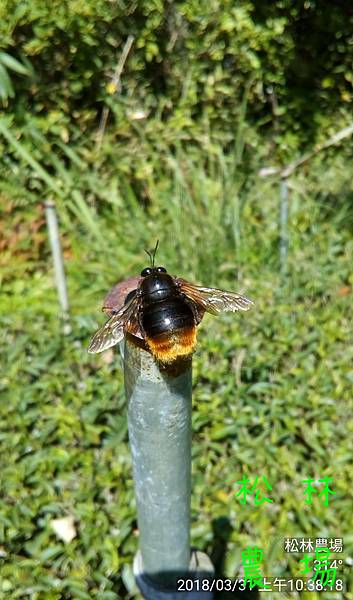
<point>283,243</point>
<point>59,272</point>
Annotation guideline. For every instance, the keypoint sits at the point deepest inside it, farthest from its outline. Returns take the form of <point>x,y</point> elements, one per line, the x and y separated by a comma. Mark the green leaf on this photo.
<point>13,64</point>
<point>6,88</point>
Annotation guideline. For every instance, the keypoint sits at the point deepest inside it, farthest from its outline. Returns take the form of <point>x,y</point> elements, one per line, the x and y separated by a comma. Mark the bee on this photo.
<point>164,311</point>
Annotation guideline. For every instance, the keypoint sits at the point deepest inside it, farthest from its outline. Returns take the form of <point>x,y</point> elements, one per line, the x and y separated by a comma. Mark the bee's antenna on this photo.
<point>152,254</point>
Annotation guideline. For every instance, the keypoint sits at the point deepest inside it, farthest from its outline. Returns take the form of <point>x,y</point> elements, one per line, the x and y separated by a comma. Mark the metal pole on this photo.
<point>159,421</point>
<point>283,243</point>
<point>59,273</point>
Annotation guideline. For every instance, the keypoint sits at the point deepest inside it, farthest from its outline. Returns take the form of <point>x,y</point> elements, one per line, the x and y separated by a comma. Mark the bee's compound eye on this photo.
<point>161,270</point>
<point>146,271</point>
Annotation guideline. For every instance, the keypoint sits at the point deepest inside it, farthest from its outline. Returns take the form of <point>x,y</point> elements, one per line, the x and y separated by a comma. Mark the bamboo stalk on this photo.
<point>291,167</point>
<point>115,81</point>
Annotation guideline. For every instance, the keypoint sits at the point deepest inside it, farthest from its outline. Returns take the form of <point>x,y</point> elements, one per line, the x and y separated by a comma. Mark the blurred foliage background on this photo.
<point>209,94</point>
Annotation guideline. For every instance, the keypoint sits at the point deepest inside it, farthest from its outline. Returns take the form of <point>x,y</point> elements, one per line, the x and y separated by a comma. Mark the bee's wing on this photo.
<point>213,300</point>
<point>113,331</point>
<point>119,293</point>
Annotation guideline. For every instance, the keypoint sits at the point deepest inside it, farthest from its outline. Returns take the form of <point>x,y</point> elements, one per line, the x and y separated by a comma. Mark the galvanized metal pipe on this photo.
<point>159,423</point>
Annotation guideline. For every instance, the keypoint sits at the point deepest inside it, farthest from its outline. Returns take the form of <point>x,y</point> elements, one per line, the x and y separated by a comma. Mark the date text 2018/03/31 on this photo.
<point>267,584</point>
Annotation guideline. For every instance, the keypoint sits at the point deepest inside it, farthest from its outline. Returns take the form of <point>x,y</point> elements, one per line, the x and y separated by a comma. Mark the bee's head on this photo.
<point>152,271</point>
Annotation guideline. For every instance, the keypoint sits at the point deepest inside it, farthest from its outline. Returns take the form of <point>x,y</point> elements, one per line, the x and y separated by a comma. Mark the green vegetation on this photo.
<point>273,387</point>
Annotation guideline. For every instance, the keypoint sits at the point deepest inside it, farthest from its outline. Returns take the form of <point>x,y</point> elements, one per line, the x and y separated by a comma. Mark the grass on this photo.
<point>272,388</point>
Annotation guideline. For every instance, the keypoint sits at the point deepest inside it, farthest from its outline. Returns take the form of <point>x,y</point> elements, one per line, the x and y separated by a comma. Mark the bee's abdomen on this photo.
<point>166,316</point>
<point>169,328</point>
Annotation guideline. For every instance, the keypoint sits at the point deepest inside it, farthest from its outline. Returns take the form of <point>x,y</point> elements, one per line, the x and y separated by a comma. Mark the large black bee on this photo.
<point>164,311</point>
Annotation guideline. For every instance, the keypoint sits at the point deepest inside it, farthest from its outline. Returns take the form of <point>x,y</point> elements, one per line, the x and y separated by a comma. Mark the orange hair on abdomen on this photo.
<point>167,347</point>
